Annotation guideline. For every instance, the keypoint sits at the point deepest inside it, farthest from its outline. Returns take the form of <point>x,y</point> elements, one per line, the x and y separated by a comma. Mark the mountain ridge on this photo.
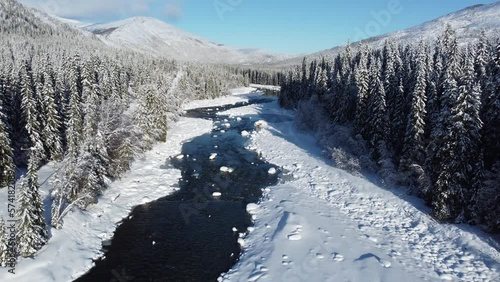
<point>155,37</point>
<point>467,22</point>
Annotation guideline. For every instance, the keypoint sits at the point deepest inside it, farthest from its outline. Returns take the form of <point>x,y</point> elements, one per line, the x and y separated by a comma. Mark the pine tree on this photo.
<point>398,119</point>
<point>481,62</point>
<point>458,144</point>
<point>145,116</point>
<point>6,156</point>
<point>362,83</point>
<point>51,131</point>
<point>304,71</point>
<point>28,104</point>
<point>74,122</point>
<point>445,197</point>
<point>413,150</point>
<point>4,244</point>
<point>491,113</point>
<point>31,228</point>
<point>91,106</point>
<point>377,110</point>
<point>434,79</point>
<point>487,209</point>
<point>321,82</point>
<point>392,74</point>
<point>468,109</point>
<point>345,90</point>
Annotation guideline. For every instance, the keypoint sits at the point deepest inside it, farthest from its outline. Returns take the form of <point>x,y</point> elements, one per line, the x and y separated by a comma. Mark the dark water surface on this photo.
<point>189,235</point>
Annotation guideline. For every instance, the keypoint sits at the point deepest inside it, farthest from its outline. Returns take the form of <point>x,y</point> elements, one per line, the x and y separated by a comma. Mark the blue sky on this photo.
<point>279,26</point>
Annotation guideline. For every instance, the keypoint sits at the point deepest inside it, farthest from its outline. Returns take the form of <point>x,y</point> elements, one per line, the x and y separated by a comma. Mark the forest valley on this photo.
<point>423,117</point>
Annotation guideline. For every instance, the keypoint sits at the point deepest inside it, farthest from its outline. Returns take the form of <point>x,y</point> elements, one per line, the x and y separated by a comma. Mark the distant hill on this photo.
<point>155,37</point>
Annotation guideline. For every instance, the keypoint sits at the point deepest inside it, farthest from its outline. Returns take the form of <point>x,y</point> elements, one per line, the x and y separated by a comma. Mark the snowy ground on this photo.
<point>269,87</point>
<point>327,225</point>
<point>241,94</point>
<point>323,224</point>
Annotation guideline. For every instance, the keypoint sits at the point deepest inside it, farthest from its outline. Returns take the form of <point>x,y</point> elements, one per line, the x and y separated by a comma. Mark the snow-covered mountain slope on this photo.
<point>153,36</point>
<point>73,23</point>
<point>468,24</point>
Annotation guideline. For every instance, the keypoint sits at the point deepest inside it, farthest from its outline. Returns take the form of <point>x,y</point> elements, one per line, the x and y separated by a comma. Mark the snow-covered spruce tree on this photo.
<point>6,156</point>
<point>335,96</point>
<point>51,130</point>
<point>91,105</point>
<point>439,108</point>
<point>414,146</point>
<point>164,97</point>
<point>481,62</point>
<point>377,112</point>
<point>487,209</point>
<point>74,115</point>
<point>31,228</point>
<point>144,115</point>
<point>458,143</point>
<point>94,158</point>
<point>443,197</point>
<point>304,71</point>
<point>15,118</point>
<point>346,91</point>
<point>28,104</point>
<point>469,107</point>
<point>312,77</point>
<point>392,76</point>
<point>491,112</point>
<point>321,81</point>
<point>408,75</point>
<point>121,137</point>
<point>434,73</point>
<point>398,119</point>
<point>362,83</point>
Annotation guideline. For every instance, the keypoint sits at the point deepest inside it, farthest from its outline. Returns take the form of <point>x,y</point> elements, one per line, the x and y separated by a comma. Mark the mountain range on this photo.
<point>157,38</point>
<point>468,23</point>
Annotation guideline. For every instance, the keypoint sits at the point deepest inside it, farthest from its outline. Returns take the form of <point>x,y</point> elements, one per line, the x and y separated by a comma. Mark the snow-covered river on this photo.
<point>193,235</point>
<point>319,223</point>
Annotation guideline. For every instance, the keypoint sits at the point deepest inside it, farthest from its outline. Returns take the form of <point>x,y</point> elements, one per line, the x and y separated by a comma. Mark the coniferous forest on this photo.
<point>424,117</point>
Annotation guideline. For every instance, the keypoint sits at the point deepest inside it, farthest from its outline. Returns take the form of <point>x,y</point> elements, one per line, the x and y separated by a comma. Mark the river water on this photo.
<point>192,235</point>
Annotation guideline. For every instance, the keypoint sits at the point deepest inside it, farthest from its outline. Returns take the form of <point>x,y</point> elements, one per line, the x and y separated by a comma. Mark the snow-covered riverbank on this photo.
<point>327,225</point>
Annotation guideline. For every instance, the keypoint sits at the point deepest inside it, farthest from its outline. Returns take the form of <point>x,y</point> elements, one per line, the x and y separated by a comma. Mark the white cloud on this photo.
<point>173,10</point>
<point>93,9</point>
